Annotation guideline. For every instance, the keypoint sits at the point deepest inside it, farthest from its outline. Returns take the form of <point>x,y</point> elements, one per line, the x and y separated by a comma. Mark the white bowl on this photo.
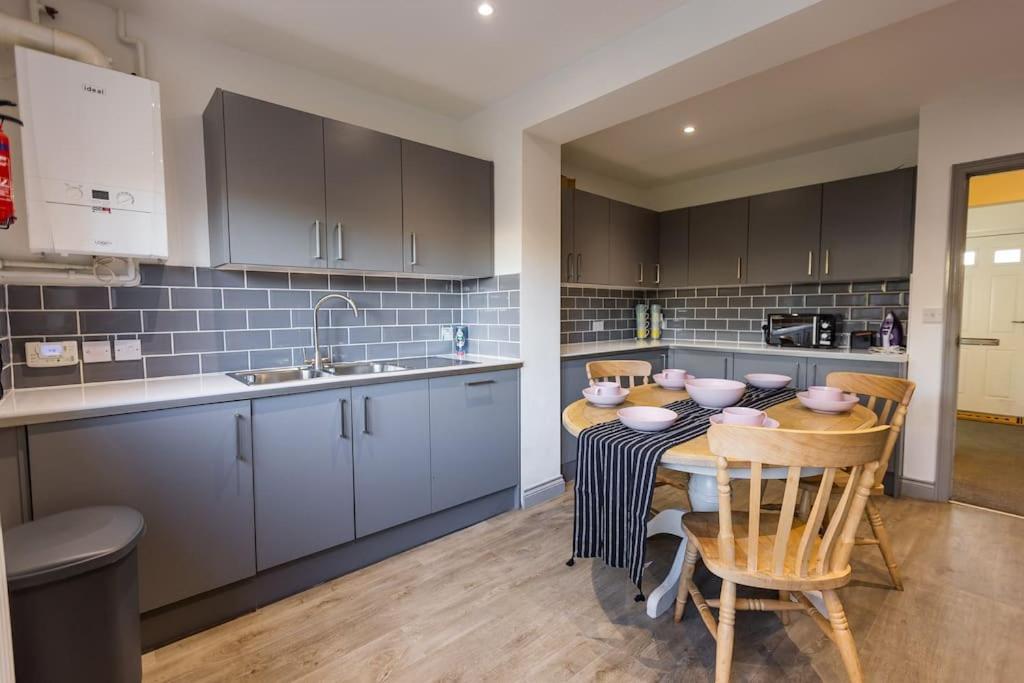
<point>605,400</point>
<point>769,423</point>
<point>715,393</point>
<point>647,418</point>
<point>764,380</point>
<point>820,405</point>
<point>672,384</point>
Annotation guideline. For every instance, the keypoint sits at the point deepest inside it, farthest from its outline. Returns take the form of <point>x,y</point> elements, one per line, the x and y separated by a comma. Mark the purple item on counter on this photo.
<point>891,332</point>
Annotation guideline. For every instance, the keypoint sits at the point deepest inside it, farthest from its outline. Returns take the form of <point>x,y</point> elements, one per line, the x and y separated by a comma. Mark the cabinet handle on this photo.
<point>319,252</point>
<point>640,272</point>
<point>366,414</point>
<point>344,407</point>
<point>796,375</point>
<point>725,368</point>
<point>579,267</point>
<point>739,267</point>
<point>814,375</point>
<point>568,268</point>
<point>412,247</point>
<point>341,247</point>
<point>479,382</point>
<point>657,273</point>
<point>239,454</point>
<point>826,262</point>
<point>810,261</point>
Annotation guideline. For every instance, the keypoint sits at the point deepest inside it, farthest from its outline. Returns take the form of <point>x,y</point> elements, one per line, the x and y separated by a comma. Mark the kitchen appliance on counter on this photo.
<point>809,330</point>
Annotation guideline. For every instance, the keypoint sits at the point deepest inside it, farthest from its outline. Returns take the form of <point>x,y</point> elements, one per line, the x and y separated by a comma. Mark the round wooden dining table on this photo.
<point>695,457</point>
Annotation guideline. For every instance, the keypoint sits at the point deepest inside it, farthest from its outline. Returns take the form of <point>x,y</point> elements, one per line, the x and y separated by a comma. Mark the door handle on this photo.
<point>826,261</point>
<point>412,248</point>
<point>239,454</point>
<point>979,341</point>
<point>319,252</point>
<point>344,406</point>
<point>640,272</point>
<point>657,273</point>
<point>810,261</point>
<point>579,267</point>
<point>1017,322</point>
<point>366,414</point>
<point>479,382</point>
<point>739,267</point>
<point>341,248</point>
<point>568,268</point>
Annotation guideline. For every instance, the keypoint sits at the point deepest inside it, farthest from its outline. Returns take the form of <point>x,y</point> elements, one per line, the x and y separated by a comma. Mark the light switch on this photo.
<point>598,326</point>
<point>127,349</point>
<point>96,352</point>
<point>932,316</point>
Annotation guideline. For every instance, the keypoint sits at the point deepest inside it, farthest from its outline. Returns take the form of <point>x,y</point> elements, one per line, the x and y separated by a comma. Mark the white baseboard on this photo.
<point>913,488</point>
<point>541,493</point>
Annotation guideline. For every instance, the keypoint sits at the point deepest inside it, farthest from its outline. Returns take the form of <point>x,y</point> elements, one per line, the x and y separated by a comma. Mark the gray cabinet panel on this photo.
<point>867,226</point>
<point>633,245</point>
<point>474,436</point>
<point>746,363</point>
<point>819,368</point>
<point>10,478</point>
<point>275,181</point>
<point>718,242</point>
<point>702,363</point>
<point>302,460</point>
<point>574,379</point>
<point>673,248</point>
<point>784,233</point>
<point>447,201</point>
<point>391,427</point>
<point>187,470</point>
<point>568,250</point>
<point>591,237</point>
<point>363,170</point>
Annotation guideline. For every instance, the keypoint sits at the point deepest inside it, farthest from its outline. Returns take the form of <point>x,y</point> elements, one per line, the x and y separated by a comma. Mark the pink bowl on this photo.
<point>605,400</point>
<point>820,405</point>
<point>647,418</point>
<point>672,384</point>
<point>764,380</point>
<point>715,393</point>
<point>826,393</point>
<point>769,423</point>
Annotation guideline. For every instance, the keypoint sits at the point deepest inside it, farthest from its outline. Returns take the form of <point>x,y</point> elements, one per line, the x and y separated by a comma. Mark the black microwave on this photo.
<point>816,330</point>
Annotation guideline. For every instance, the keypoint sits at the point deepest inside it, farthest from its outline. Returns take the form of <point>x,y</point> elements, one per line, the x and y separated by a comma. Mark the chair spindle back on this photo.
<point>618,370</point>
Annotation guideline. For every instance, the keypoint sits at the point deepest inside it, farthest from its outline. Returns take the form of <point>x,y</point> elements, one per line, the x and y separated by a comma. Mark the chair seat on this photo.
<point>702,529</point>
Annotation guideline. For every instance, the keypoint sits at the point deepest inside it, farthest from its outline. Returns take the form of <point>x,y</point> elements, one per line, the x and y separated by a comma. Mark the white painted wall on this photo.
<point>591,181</point>
<point>985,121</point>
<point>189,68</point>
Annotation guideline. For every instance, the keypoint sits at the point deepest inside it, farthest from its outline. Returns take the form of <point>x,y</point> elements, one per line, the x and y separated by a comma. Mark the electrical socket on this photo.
<point>597,326</point>
<point>96,352</point>
<point>447,334</point>
<point>127,349</point>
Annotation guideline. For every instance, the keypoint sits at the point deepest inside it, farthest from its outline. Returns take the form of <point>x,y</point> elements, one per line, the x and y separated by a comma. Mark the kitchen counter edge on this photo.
<point>590,349</point>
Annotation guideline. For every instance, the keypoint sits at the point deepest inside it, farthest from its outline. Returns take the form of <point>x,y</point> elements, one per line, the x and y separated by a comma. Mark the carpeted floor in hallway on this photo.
<point>989,466</point>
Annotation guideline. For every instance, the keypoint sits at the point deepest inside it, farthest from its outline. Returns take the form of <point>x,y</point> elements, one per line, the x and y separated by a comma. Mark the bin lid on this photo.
<point>69,543</point>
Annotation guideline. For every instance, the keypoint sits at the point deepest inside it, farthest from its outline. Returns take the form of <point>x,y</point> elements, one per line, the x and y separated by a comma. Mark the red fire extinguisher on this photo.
<point>7,216</point>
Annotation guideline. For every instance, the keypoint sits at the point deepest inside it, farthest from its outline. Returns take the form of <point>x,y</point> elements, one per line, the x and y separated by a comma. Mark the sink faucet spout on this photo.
<point>317,359</point>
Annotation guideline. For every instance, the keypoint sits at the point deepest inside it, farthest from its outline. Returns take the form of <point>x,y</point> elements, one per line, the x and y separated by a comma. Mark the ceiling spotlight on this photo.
<point>689,130</point>
<point>485,9</point>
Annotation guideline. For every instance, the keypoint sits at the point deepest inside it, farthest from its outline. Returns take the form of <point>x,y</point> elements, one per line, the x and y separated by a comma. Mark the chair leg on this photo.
<point>842,636</point>
<point>726,632</point>
<point>884,543</point>
<point>784,614</point>
<point>689,563</point>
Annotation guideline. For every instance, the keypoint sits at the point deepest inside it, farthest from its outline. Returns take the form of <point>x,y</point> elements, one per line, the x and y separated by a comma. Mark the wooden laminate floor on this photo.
<point>496,602</point>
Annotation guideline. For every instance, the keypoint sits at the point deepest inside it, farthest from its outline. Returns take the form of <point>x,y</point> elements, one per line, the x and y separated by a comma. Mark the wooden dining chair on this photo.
<point>888,398</point>
<point>778,550</point>
<point>636,371</point>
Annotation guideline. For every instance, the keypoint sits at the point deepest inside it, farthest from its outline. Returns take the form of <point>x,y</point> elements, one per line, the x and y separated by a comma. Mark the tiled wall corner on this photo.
<point>6,373</point>
<point>490,309</point>
<point>611,307</point>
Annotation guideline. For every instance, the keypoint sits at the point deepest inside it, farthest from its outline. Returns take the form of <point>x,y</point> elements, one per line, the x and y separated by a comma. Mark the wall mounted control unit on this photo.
<point>93,158</point>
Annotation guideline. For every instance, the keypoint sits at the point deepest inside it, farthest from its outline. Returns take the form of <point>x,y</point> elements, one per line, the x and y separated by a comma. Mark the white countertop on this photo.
<point>623,346</point>
<point>52,404</point>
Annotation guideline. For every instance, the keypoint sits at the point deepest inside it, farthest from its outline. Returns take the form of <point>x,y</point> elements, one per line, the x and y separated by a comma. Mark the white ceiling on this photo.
<point>866,87</point>
<point>439,54</point>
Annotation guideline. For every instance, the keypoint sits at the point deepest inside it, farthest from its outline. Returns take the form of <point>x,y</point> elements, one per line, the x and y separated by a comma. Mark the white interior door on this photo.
<point>992,334</point>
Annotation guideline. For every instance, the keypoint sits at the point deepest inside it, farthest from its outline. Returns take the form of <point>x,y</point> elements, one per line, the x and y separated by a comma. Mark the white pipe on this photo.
<point>6,264</point>
<point>140,48</point>
<point>15,31</point>
<point>68,275</point>
<point>35,8</point>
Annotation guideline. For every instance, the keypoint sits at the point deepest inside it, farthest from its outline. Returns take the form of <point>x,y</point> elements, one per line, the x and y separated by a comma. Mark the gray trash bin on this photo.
<point>74,590</point>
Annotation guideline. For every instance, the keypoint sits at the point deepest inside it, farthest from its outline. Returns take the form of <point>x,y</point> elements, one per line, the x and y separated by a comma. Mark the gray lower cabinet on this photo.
<point>302,461</point>
<point>818,369</point>
<point>718,242</point>
<point>11,474</point>
<point>391,429</point>
<point>745,363</point>
<point>702,363</point>
<point>188,471</point>
<point>474,436</point>
<point>784,235</point>
<point>673,248</point>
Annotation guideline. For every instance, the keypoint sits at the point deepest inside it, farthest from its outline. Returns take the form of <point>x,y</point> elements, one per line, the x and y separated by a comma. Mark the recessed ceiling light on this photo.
<point>689,130</point>
<point>485,9</point>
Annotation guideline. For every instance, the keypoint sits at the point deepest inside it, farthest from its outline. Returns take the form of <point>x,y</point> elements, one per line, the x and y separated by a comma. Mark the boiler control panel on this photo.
<point>51,354</point>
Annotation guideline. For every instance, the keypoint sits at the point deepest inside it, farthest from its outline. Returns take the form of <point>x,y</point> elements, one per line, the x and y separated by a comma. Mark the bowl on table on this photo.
<point>647,418</point>
<point>826,393</point>
<point>715,393</point>
<point>767,422</point>
<point>673,379</point>
<point>827,405</point>
<point>765,380</point>
<point>605,396</point>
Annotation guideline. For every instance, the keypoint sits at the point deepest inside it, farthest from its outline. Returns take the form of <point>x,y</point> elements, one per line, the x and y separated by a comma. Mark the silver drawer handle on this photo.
<point>341,248</point>
<point>810,261</point>
<point>739,267</point>
<point>978,341</point>
<point>579,267</point>
<point>826,261</point>
<point>344,408</point>
<point>239,454</point>
<point>366,414</point>
<point>479,382</point>
<point>316,228</point>
<point>568,268</point>
<point>412,248</point>
<point>657,273</point>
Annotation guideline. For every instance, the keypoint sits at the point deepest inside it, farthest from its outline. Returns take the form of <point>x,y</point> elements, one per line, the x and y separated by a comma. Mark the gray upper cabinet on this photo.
<point>363,172</point>
<point>568,267</point>
<point>718,242</point>
<point>591,237</point>
<point>187,470</point>
<point>633,245</point>
<point>867,226</point>
<point>784,233</point>
<point>302,459</point>
<point>391,428</point>
<point>448,208</point>
<point>265,190</point>
<point>474,436</point>
<point>673,248</point>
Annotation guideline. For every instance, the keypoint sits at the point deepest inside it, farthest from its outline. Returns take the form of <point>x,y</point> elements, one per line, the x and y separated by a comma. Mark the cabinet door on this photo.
<point>673,248</point>
<point>568,250</point>
<point>302,460</point>
<point>867,226</point>
<point>364,198</point>
<point>10,478</point>
<point>702,363</point>
<point>784,234</point>
<point>275,179</point>
<point>633,245</point>
<point>590,237</point>
<point>474,436</point>
<point>187,470</point>
<point>818,369</point>
<point>574,380</point>
<point>447,201</point>
<point>391,427</point>
<point>718,242</point>
<point>795,367</point>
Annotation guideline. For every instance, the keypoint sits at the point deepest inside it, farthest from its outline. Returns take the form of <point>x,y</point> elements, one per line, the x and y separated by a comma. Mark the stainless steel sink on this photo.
<point>342,369</point>
<point>257,377</point>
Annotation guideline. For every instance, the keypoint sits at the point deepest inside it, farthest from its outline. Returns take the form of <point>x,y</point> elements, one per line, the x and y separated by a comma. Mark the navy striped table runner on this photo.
<point>615,472</point>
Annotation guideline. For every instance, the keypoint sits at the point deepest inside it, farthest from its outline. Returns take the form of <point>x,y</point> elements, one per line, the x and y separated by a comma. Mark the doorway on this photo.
<point>988,455</point>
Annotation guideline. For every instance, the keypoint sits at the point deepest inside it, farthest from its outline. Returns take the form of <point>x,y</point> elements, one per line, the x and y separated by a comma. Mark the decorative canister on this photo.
<point>656,321</point>
<point>642,322</point>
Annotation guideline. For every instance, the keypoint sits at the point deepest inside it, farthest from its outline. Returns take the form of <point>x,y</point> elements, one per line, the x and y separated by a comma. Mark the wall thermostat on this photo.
<point>51,354</point>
